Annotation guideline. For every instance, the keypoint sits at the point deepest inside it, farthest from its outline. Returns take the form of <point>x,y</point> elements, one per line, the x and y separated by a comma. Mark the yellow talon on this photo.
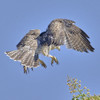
<point>58,47</point>
<point>25,69</point>
<point>54,59</point>
<point>42,63</point>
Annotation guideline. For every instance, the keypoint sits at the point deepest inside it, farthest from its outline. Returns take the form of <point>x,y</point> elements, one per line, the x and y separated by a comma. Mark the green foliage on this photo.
<point>93,98</point>
<point>78,92</point>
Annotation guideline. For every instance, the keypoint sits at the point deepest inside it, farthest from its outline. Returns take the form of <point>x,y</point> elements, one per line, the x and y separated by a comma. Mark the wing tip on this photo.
<point>92,49</point>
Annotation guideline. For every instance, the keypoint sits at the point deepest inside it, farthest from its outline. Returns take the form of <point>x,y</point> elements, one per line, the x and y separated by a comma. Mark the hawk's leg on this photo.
<point>53,59</point>
<point>45,52</point>
<point>55,47</point>
<point>42,63</point>
<point>58,48</point>
<point>26,70</point>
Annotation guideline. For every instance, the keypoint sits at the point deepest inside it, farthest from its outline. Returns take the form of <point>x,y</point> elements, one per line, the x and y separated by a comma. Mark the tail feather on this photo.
<point>30,61</point>
<point>27,60</point>
<point>24,56</point>
<point>24,59</point>
<point>12,54</point>
<point>20,55</point>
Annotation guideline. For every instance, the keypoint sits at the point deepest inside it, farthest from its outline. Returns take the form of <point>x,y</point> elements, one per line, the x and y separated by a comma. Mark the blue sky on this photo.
<point>17,17</point>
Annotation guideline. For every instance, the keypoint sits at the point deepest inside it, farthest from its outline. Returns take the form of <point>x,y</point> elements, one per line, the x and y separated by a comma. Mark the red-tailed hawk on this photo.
<point>59,32</point>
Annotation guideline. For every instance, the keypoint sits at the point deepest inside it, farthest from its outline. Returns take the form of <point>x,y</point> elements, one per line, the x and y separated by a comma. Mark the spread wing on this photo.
<point>65,32</point>
<point>27,50</point>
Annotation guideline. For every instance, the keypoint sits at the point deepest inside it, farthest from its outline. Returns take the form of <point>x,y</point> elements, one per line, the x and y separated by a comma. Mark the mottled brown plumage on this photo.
<point>27,52</point>
<point>65,32</point>
<point>59,32</point>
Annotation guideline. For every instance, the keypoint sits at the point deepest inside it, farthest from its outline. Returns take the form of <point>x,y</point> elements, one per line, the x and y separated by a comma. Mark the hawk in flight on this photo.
<point>59,32</point>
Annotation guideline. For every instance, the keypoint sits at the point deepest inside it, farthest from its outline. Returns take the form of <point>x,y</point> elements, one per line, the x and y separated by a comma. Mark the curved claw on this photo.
<point>58,48</point>
<point>42,63</point>
<point>54,59</point>
<point>26,70</point>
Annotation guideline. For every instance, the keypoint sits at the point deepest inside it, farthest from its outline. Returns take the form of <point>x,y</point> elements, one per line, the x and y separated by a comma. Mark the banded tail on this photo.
<point>26,57</point>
